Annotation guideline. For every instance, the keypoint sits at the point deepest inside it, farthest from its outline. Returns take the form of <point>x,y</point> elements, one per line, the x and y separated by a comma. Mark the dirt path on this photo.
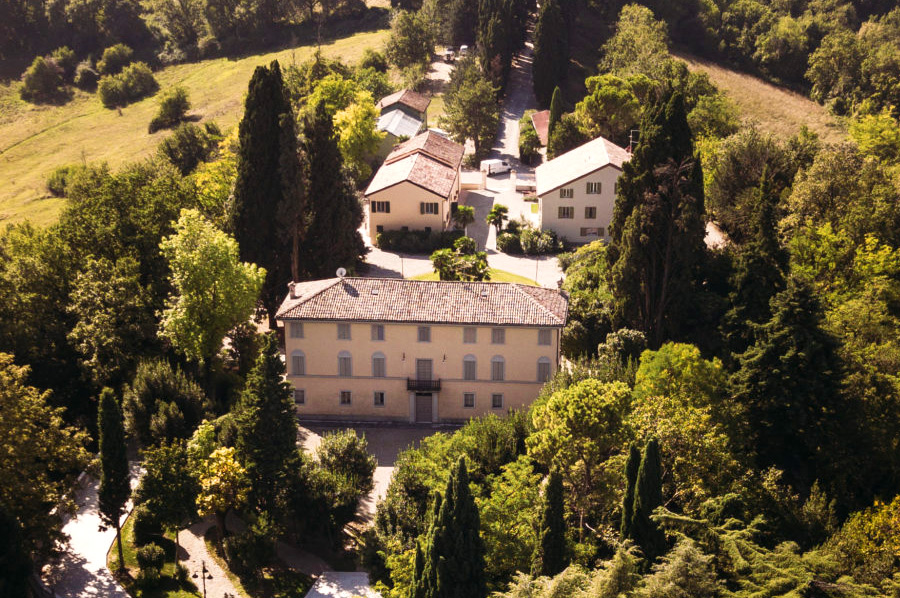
<point>519,98</point>
<point>193,555</point>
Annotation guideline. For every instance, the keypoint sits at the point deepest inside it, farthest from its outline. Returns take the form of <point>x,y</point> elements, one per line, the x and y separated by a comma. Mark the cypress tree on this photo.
<point>758,273</point>
<point>551,52</point>
<point>788,387</point>
<point>647,496</point>
<point>556,111</point>
<point>114,479</point>
<point>268,192</point>
<point>550,552</point>
<point>631,471</point>
<point>332,239</point>
<point>658,228</point>
<point>266,426</point>
<point>453,564</point>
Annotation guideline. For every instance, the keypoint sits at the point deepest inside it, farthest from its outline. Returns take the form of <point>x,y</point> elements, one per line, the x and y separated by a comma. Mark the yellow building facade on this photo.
<point>418,351</point>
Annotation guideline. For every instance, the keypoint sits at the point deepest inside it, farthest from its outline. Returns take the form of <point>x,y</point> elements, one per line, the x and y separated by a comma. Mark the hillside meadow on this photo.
<point>35,139</point>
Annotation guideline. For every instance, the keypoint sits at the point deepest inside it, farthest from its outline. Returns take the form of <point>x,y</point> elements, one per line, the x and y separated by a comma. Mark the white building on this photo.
<point>577,190</point>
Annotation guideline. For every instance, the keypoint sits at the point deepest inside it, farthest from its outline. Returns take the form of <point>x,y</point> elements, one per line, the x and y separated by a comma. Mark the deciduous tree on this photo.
<point>471,109</point>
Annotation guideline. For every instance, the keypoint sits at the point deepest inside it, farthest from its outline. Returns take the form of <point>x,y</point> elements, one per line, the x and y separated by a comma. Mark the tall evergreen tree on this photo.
<point>758,273</point>
<point>550,555</point>
<point>266,426</point>
<point>114,479</point>
<point>647,496</point>
<point>453,565</point>
<point>788,387</point>
<point>332,238</point>
<point>631,471</point>
<point>556,111</point>
<point>268,192</point>
<point>551,52</point>
<point>658,229</point>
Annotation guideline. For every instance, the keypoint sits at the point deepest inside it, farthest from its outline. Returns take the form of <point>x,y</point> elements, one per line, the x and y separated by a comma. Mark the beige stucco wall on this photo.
<point>405,199</point>
<point>401,348</point>
<point>604,202</point>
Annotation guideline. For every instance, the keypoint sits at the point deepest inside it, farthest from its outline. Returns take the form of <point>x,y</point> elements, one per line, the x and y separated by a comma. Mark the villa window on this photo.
<point>296,329</point>
<point>566,212</point>
<point>424,334</point>
<point>298,363</point>
<point>379,398</point>
<point>345,365</point>
<point>498,336</point>
<point>343,332</point>
<point>299,396</point>
<point>427,207</point>
<point>593,188</point>
<point>381,207</point>
<point>498,369</point>
<point>496,401</point>
<point>346,397</point>
<point>470,368</point>
<point>377,332</point>
<point>590,213</point>
<point>470,335</point>
<point>544,336</point>
<point>378,366</point>
<point>468,400</point>
<point>543,369</point>
<point>566,193</point>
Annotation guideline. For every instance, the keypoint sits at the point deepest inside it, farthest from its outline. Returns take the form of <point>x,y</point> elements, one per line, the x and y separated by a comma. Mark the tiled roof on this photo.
<point>435,145</point>
<point>579,162</point>
<point>407,97</point>
<point>424,301</point>
<point>399,123</point>
<point>541,122</point>
<point>418,169</point>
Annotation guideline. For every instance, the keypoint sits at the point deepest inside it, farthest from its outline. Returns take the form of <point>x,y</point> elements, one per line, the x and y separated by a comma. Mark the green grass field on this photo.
<point>496,276</point>
<point>35,139</point>
<point>777,110</point>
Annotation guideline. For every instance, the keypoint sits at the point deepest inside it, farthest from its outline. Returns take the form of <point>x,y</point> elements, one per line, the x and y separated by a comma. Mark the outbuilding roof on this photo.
<point>407,97</point>
<point>541,123</point>
<point>579,162</point>
<point>420,170</point>
<point>425,302</point>
<point>398,123</point>
<point>431,143</point>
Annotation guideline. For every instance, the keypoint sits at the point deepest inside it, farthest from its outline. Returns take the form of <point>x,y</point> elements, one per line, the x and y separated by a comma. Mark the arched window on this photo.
<point>298,363</point>
<point>498,368</point>
<point>379,369</point>
<point>543,370</point>
<point>345,364</point>
<point>470,368</point>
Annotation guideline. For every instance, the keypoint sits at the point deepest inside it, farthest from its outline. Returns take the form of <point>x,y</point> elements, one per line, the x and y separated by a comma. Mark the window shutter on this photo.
<point>421,207</point>
<point>387,207</point>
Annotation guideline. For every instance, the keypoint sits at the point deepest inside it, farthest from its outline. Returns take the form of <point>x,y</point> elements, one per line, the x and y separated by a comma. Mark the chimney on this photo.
<point>292,293</point>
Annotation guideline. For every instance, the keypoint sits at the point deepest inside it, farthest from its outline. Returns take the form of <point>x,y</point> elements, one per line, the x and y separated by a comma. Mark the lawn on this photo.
<point>776,109</point>
<point>496,276</point>
<point>35,139</point>
<point>167,587</point>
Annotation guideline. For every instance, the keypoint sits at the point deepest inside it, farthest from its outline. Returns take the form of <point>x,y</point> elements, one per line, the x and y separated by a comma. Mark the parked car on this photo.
<point>495,166</point>
<point>449,55</point>
<point>463,50</point>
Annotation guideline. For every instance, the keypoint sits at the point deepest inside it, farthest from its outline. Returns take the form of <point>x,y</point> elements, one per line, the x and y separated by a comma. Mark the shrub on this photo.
<point>59,179</point>
<point>66,60</point>
<point>509,243</point>
<point>114,59</point>
<point>416,241</point>
<point>144,525</point>
<point>133,83</point>
<point>373,59</point>
<point>254,548</point>
<point>536,242</point>
<point>347,454</point>
<point>173,106</point>
<point>151,559</point>
<point>188,146</point>
<point>529,145</point>
<point>85,76</point>
<point>42,81</point>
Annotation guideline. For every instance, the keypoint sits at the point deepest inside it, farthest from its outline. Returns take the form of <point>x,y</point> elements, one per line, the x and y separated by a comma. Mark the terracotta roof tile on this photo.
<point>431,143</point>
<point>407,97</point>
<point>419,169</point>
<point>426,302</point>
<point>541,122</point>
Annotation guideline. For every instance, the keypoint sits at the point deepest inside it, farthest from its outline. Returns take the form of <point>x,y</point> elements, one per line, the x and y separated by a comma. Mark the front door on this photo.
<point>423,408</point>
<point>423,369</point>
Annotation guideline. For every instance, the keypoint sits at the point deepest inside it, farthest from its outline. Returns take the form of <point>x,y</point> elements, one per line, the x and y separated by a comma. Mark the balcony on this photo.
<point>423,385</point>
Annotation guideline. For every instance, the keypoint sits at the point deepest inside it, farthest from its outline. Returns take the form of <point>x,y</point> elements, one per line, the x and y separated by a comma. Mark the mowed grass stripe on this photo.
<point>36,139</point>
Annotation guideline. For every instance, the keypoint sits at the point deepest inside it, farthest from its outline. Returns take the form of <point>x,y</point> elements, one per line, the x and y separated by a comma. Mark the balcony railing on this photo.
<point>423,385</point>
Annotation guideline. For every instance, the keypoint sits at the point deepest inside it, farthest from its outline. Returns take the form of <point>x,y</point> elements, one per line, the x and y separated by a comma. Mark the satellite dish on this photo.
<point>341,272</point>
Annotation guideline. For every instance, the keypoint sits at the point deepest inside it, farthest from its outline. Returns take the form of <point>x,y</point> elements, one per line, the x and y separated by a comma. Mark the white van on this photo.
<point>495,166</point>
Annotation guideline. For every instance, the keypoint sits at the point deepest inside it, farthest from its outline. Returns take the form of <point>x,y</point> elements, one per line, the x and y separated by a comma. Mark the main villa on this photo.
<point>372,349</point>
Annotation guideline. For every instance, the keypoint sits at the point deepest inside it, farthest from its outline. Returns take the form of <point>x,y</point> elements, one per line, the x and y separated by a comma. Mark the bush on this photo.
<point>114,59</point>
<point>173,106</point>
<point>66,60</point>
<point>416,241</point>
<point>59,179</point>
<point>42,81</point>
<point>509,243</point>
<point>347,454</point>
<point>151,559</point>
<point>254,548</point>
<point>529,145</point>
<point>374,59</point>
<point>144,525</point>
<point>85,76</point>
<point>536,242</point>
<point>188,146</point>
<point>133,83</point>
